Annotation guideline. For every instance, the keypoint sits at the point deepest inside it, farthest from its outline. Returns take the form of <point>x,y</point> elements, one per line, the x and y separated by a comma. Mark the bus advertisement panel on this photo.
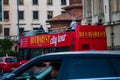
<point>47,40</point>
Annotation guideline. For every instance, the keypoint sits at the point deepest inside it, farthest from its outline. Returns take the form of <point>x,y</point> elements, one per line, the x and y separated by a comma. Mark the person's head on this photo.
<point>55,69</point>
<point>38,67</point>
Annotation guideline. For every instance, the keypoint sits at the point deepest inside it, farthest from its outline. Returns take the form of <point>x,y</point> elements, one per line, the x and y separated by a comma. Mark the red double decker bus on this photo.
<point>84,38</point>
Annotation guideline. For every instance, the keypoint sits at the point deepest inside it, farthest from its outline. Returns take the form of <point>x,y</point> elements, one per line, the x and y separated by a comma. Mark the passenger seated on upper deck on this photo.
<point>41,30</point>
<point>73,24</point>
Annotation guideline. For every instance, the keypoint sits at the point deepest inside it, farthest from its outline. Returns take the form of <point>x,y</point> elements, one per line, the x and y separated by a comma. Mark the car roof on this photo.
<point>62,55</point>
<point>86,53</point>
<point>65,55</point>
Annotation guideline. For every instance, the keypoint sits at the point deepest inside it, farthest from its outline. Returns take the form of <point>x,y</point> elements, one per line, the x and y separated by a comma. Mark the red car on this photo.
<point>8,63</point>
<point>23,61</point>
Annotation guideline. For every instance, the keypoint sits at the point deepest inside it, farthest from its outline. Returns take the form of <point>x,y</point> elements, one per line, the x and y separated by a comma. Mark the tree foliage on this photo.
<point>9,52</point>
<point>5,48</point>
<point>5,44</point>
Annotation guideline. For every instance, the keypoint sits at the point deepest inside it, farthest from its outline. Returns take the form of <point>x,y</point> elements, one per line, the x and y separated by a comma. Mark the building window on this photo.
<point>35,15</point>
<point>76,2</point>
<point>20,2</point>
<point>118,5</point>
<point>36,28</point>
<point>49,2</point>
<point>6,14</point>
<point>63,2</point>
<point>49,14</point>
<point>21,31</point>
<point>35,2</point>
<point>6,2</point>
<point>63,12</point>
<point>6,32</point>
<point>21,14</point>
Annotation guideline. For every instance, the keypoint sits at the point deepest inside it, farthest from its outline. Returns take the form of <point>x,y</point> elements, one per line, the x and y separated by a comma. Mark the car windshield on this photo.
<point>11,59</point>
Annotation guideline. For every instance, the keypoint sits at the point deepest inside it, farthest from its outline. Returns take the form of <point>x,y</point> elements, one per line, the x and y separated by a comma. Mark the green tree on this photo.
<point>5,46</point>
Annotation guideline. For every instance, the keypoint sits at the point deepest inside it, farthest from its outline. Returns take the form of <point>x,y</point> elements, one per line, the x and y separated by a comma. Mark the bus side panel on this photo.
<point>90,37</point>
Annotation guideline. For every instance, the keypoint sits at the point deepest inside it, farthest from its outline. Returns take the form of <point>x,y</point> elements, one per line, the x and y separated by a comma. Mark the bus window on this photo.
<point>85,47</point>
<point>45,50</point>
<point>36,52</point>
<point>51,50</point>
<point>62,49</point>
<point>24,54</point>
<point>21,54</point>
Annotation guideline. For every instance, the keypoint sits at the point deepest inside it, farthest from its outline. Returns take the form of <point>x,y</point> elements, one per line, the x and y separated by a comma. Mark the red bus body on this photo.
<point>83,38</point>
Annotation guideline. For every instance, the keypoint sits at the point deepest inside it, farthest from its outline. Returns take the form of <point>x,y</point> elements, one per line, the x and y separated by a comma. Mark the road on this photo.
<point>1,77</point>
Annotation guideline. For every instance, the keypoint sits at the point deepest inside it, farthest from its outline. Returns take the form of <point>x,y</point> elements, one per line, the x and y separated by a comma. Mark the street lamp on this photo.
<point>112,40</point>
<point>112,35</point>
<point>18,25</point>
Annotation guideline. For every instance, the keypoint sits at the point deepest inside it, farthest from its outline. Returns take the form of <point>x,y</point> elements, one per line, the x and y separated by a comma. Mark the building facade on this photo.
<point>62,22</point>
<point>0,16</point>
<point>106,12</point>
<point>32,14</point>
